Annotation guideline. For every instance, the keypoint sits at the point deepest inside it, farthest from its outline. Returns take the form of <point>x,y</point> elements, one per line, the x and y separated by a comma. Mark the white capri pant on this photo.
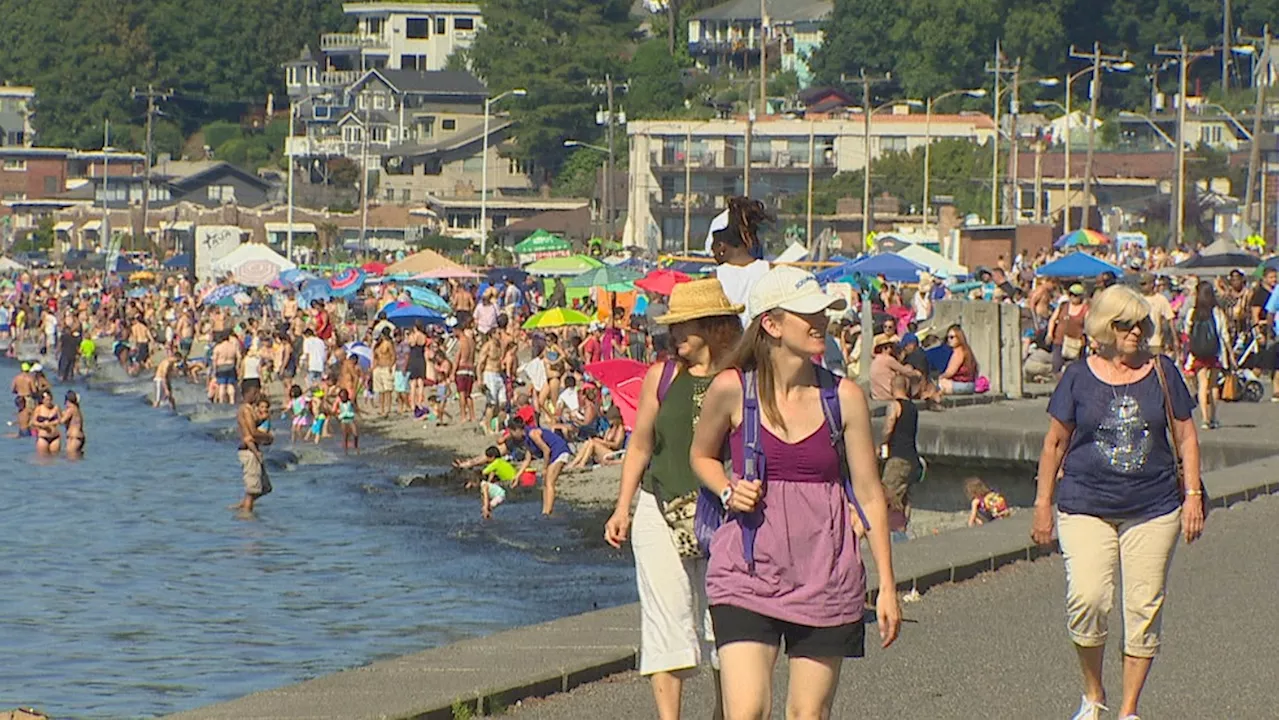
<point>675,626</point>
<point>1142,550</point>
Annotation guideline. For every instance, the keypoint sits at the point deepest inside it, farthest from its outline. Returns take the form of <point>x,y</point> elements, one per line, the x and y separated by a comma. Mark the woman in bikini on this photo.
<point>73,418</point>
<point>45,421</point>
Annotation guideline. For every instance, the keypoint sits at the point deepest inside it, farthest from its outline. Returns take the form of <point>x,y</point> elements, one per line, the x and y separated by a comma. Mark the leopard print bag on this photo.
<point>679,513</point>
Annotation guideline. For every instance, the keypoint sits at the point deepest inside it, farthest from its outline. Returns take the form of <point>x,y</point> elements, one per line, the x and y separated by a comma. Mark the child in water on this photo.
<point>985,504</point>
<point>318,416</point>
<point>497,473</point>
<point>298,409</point>
<point>346,412</point>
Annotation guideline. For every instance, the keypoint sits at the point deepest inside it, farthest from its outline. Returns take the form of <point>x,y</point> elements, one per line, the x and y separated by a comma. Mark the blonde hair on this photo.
<point>1118,303</point>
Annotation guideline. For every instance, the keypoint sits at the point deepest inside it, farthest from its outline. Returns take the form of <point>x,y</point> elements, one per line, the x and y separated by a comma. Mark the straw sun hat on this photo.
<point>697,299</point>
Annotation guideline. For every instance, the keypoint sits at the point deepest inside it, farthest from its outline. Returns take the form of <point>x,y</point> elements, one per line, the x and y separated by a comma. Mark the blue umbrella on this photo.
<point>407,314</point>
<point>178,262</point>
<point>138,292</point>
<point>428,299</point>
<point>1078,264</point>
<point>363,352</point>
<point>317,289</point>
<point>497,275</point>
<point>294,276</point>
<point>214,296</point>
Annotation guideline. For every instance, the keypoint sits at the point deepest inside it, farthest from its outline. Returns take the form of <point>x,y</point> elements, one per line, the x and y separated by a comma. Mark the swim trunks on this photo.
<point>256,482</point>
<point>465,380</point>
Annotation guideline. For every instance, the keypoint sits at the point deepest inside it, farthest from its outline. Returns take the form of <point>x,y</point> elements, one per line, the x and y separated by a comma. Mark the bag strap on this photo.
<point>1170,419</point>
<point>664,382</point>
<point>829,387</point>
<point>752,462</point>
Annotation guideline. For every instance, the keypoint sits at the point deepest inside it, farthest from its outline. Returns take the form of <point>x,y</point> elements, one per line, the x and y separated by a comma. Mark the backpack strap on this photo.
<point>664,382</point>
<point>752,462</point>
<point>829,386</point>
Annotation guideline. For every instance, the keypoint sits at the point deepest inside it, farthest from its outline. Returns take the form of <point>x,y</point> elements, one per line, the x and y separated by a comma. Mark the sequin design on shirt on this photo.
<point>1123,437</point>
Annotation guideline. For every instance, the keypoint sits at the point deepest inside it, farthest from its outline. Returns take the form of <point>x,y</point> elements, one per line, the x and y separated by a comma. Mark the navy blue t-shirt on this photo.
<point>1119,461</point>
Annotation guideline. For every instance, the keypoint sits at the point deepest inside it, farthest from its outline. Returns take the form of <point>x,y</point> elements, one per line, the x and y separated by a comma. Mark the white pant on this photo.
<point>495,388</point>
<point>675,626</point>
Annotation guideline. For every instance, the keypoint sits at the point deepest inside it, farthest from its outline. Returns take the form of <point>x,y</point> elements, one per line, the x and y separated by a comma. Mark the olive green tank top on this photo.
<point>668,469</point>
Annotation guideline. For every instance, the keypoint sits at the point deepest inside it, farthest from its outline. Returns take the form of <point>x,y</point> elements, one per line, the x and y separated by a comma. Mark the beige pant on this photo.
<point>1142,550</point>
<point>675,626</point>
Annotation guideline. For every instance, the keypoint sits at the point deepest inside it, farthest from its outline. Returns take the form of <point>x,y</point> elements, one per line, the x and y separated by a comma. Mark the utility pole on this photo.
<point>997,69</point>
<point>866,83</point>
<point>764,62</point>
<point>1177,209</point>
<point>364,175</point>
<point>151,94</point>
<point>1038,203</point>
<point>746,161</point>
<point>1226,51</point>
<point>288,152</point>
<point>1255,150</point>
<point>1012,200</point>
<point>808,223</point>
<point>104,232</point>
<point>1095,89</point>
<point>688,180</point>
<point>608,181</point>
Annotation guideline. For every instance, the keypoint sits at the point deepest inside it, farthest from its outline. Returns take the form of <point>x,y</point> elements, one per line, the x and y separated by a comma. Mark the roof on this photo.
<point>506,203</point>
<point>1138,165</point>
<point>811,95</point>
<point>427,82</point>
<point>778,11</point>
<point>453,142</point>
<point>567,223</point>
<point>178,169</point>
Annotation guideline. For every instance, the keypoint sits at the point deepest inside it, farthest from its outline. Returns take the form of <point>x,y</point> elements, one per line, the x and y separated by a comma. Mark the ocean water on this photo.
<point>133,591</point>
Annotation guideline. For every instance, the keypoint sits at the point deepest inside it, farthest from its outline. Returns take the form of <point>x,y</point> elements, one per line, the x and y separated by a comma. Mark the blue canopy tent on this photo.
<point>1078,265</point>
<point>428,299</point>
<point>407,314</point>
<point>125,265</point>
<point>178,262</point>
<point>497,275</point>
<point>892,266</point>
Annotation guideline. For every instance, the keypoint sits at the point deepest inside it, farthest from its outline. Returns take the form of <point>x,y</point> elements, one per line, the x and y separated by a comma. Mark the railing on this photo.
<point>338,78</point>
<point>351,41</point>
<point>697,201</point>
<point>705,46</point>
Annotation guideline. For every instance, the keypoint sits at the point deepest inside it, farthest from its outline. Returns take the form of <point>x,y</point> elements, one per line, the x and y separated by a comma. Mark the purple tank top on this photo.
<point>808,566</point>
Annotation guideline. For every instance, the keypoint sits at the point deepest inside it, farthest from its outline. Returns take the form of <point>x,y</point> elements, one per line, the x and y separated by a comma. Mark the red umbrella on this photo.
<point>662,281</point>
<point>374,267</point>
<point>623,377</point>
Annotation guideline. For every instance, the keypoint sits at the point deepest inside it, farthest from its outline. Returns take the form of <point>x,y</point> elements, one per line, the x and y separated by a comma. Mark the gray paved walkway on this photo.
<point>995,647</point>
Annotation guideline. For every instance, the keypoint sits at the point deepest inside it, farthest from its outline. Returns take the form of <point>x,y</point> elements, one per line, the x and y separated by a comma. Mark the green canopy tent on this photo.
<point>541,241</point>
<point>562,266</point>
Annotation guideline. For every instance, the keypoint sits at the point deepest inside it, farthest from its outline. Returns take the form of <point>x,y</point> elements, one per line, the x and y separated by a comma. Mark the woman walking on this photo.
<point>674,631</point>
<point>1206,331</point>
<point>786,565</point>
<point>1120,504</point>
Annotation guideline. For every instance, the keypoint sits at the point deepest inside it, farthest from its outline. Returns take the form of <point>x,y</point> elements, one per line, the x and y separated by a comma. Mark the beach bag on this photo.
<point>1179,470</point>
<point>1230,388</point>
<point>710,512</point>
<point>679,512</point>
<point>982,385</point>
<point>1204,342</point>
<point>1071,347</point>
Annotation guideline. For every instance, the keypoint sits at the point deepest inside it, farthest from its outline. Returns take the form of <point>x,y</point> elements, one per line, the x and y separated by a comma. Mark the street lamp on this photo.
<point>1147,118</point>
<point>484,168</point>
<point>928,141</point>
<point>866,150</point>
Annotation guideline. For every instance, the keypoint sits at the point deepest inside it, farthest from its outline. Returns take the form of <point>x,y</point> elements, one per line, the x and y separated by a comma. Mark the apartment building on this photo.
<point>713,155</point>
<point>404,35</point>
<point>731,34</point>
<point>17,107</point>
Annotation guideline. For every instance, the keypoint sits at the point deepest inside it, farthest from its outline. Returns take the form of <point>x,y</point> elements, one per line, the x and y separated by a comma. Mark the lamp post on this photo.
<point>866,145</point>
<point>928,142</point>
<point>484,168</point>
<point>600,149</point>
<point>1066,177</point>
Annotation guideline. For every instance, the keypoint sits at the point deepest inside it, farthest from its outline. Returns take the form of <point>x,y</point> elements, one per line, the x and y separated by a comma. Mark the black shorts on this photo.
<point>734,624</point>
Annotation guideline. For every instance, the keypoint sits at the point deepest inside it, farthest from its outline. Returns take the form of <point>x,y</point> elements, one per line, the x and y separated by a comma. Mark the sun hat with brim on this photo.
<point>791,289</point>
<point>1076,289</point>
<point>697,299</point>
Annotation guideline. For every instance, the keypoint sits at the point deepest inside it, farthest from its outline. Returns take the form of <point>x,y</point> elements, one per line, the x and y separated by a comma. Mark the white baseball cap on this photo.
<point>792,289</point>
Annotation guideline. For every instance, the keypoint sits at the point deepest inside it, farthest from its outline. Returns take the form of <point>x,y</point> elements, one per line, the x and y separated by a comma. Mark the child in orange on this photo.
<point>985,504</point>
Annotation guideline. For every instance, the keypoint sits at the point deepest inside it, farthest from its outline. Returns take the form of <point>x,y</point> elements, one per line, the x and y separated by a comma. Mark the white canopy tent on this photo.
<point>938,265</point>
<point>8,264</point>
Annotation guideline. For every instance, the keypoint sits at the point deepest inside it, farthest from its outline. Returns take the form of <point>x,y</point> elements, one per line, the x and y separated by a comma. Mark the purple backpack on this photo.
<point>709,514</point>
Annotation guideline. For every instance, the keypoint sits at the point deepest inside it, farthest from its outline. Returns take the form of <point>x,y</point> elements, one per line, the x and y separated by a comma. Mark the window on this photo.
<point>378,133</point>
<point>15,165</point>
<point>375,25</point>
<point>893,143</point>
<point>405,195</point>
<point>413,62</point>
<point>417,29</point>
<point>425,126</point>
<point>440,25</point>
<point>449,124</point>
<point>391,194</point>
<point>761,150</point>
<point>432,166</point>
<point>499,221</point>
<point>352,133</point>
<point>464,24</point>
<point>473,165</point>
<point>379,102</point>
<point>798,149</point>
<point>1211,134</point>
<point>221,193</point>
<point>362,100</point>
<point>292,75</point>
<point>516,166</point>
<point>320,112</point>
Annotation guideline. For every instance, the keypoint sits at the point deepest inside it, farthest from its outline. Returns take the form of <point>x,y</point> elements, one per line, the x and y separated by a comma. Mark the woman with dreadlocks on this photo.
<point>735,244</point>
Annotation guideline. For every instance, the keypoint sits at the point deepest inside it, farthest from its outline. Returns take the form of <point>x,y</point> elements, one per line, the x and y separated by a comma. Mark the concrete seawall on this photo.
<point>485,675</point>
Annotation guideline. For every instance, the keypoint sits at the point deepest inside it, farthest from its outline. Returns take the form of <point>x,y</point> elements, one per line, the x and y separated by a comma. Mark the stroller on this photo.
<point>1251,387</point>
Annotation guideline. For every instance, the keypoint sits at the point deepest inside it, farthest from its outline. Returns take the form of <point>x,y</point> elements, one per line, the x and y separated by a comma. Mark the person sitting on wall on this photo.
<point>962,369</point>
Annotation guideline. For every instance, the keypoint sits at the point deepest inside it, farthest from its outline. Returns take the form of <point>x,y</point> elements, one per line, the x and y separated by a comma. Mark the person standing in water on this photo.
<point>253,412</point>
<point>74,420</point>
<point>45,421</point>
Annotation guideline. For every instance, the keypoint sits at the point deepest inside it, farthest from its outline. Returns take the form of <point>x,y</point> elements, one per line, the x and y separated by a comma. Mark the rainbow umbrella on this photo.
<point>347,282</point>
<point>554,318</point>
<point>1082,238</point>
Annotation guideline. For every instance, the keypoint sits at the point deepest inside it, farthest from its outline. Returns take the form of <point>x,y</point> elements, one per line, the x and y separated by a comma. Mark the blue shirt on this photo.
<point>1273,307</point>
<point>1119,461</point>
<point>554,442</point>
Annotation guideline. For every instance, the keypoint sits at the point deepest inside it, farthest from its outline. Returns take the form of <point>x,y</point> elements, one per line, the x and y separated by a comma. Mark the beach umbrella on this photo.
<point>428,298</point>
<point>1218,258</point>
<point>347,282</point>
<point>662,281</point>
<point>1076,265</point>
<point>446,273</point>
<point>407,314</point>
<point>374,267</point>
<point>177,262</point>
<point>497,275</point>
<point>142,276</point>
<point>217,293</point>
<point>256,272</point>
<point>315,289</point>
<point>690,267</point>
<point>554,318</point>
<point>361,351</point>
<point>571,265</point>
<point>539,242</point>
<point>138,292</point>
<point>624,378</point>
<point>241,298</point>
<point>892,266</point>
<point>606,276</point>
<point>1082,238</point>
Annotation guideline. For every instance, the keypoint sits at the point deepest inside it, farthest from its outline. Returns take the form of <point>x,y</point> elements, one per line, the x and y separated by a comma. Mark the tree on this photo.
<point>654,82</point>
<point>557,50</point>
<point>577,176</point>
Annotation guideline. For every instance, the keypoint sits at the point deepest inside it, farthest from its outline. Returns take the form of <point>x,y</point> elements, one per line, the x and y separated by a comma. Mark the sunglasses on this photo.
<point>1126,326</point>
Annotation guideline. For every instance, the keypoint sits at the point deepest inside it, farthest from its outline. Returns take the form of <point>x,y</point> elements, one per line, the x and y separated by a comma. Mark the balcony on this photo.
<point>673,161</point>
<point>697,201</point>
<point>338,78</point>
<point>739,45</point>
<point>335,42</point>
<point>676,159</point>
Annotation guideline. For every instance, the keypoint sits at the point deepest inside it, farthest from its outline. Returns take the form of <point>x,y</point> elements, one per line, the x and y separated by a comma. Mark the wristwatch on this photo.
<point>725,494</point>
